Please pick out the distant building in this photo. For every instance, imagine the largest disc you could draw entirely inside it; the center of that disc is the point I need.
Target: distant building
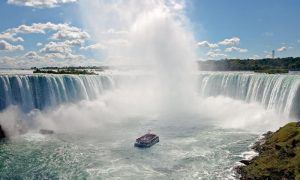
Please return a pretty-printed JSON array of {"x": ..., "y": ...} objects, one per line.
[{"x": 273, "y": 54}]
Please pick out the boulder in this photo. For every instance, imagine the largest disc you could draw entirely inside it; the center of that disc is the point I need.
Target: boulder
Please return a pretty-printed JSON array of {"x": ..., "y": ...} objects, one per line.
[
  {"x": 2, "y": 133},
  {"x": 267, "y": 134},
  {"x": 246, "y": 162}
]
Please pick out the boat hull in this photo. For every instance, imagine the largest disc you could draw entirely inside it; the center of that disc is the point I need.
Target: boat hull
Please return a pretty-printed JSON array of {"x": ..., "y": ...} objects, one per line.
[{"x": 146, "y": 145}]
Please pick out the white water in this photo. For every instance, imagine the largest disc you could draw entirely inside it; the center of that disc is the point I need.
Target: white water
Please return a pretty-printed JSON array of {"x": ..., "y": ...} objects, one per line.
[
  {"x": 151, "y": 36},
  {"x": 44, "y": 91},
  {"x": 274, "y": 92},
  {"x": 228, "y": 99},
  {"x": 95, "y": 129}
]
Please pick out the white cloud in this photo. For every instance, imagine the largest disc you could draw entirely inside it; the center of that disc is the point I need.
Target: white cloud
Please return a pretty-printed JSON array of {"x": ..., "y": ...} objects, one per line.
[
  {"x": 34, "y": 28},
  {"x": 60, "y": 50},
  {"x": 7, "y": 62},
  {"x": 282, "y": 49},
  {"x": 177, "y": 5},
  {"x": 63, "y": 31},
  {"x": 112, "y": 31},
  {"x": 65, "y": 38},
  {"x": 132, "y": 15},
  {"x": 56, "y": 47},
  {"x": 10, "y": 37},
  {"x": 31, "y": 55},
  {"x": 230, "y": 42},
  {"x": 5, "y": 46},
  {"x": 215, "y": 54},
  {"x": 64, "y": 56},
  {"x": 33, "y": 59},
  {"x": 112, "y": 43},
  {"x": 268, "y": 56},
  {"x": 74, "y": 42},
  {"x": 231, "y": 49},
  {"x": 255, "y": 56},
  {"x": 207, "y": 44},
  {"x": 70, "y": 33},
  {"x": 118, "y": 42},
  {"x": 217, "y": 50},
  {"x": 40, "y": 3},
  {"x": 97, "y": 46},
  {"x": 60, "y": 56}
]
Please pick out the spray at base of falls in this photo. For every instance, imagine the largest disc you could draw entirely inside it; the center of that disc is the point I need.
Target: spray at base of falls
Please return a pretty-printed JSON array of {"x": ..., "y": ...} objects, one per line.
[
  {"x": 153, "y": 36},
  {"x": 43, "y": 91},
  {"x": 273, "y": 92},
  {"x": 111, "y": 99}
]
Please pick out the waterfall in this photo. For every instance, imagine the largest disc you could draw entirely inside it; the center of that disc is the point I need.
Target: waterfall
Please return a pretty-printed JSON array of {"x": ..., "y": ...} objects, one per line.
[
  {"x": 279, "y": 92},
  {"x": 42, "y": 91}
]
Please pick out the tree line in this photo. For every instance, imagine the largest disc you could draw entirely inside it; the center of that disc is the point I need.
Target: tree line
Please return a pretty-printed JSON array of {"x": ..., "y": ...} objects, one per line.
[{"x": 288, "y": 63}]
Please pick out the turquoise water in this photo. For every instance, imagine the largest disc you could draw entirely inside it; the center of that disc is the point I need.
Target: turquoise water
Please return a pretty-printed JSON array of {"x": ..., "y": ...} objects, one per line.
[
  {"x": 96, "y": 120},
  {"x": 189, "y": 150}
]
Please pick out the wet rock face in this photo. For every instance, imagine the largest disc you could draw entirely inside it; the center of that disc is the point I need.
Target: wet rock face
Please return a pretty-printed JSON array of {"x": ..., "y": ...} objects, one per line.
[
  {"x": 246, "y": 162},
  {"x": 2, "y": 133}
]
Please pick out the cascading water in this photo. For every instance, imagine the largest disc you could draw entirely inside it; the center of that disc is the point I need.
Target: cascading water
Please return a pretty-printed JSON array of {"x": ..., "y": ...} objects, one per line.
[
  {"x": 201, "y": 139},
  {"x": 278, "y": 92},
  {"x": 43, "y": 91}
]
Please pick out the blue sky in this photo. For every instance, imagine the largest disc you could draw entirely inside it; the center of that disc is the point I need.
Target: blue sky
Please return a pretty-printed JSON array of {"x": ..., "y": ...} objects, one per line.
[
  {"x": 252, "y": 28},
  {"x": 261, "y": 25}
]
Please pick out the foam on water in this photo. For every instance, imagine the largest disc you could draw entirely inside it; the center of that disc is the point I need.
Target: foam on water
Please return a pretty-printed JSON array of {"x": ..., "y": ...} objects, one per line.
[
  {"x": 274, "y": 92},
  {"x": 94, "y": 138},
  {"x": 168, "y": 159}
]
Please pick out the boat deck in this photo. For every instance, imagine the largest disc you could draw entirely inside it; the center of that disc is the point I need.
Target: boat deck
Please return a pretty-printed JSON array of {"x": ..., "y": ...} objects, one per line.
[{"x": 146, "y": 140}]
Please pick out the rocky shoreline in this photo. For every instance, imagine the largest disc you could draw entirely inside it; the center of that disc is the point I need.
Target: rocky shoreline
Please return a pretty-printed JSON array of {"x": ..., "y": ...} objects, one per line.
[{"x": 279, "y": 155}]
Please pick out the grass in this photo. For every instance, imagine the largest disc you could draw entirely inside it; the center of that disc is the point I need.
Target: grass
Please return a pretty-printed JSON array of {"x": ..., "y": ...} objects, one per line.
[{"x": 279, "y": 157}]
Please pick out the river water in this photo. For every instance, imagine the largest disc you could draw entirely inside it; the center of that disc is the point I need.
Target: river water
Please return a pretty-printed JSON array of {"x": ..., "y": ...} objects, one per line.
[{"x": 96, "y": 126}]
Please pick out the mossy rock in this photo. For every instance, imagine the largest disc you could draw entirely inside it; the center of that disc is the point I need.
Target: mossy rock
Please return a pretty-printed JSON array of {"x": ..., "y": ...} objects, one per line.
[{"x": 279, "y": 156}]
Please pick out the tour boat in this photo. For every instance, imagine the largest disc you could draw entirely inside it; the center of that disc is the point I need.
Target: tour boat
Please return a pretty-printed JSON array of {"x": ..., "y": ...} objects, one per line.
[{"x": 146, "y": 140}]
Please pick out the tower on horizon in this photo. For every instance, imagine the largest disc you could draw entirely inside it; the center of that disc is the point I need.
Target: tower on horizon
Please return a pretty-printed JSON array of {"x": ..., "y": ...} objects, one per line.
[{"x": 273, "y": 54}]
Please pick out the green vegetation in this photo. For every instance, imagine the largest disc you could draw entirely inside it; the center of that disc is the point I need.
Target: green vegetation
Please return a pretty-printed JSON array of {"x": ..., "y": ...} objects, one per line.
[
  {"x": 261, "y": 65},
  {"x": 97, "y": 68},
  {"x": 273, "y": 71},
  {"x": 64, "y": 71},
  {"x": 87, "y": 70},
  {"x": 279, "y": 156}
]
